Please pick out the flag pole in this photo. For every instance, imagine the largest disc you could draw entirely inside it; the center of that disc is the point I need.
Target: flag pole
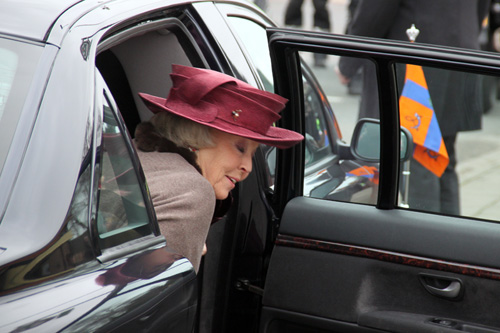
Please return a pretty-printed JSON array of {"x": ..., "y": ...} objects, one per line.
[{"x": 412, "y": 34}]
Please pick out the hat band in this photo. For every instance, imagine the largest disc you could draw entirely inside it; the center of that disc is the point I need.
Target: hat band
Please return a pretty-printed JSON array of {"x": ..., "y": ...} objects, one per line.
[{"x": 237, "y": 110}]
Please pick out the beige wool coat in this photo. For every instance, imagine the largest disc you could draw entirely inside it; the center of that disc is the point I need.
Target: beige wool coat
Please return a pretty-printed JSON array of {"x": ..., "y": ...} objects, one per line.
[{"x": 184, "y": 202}]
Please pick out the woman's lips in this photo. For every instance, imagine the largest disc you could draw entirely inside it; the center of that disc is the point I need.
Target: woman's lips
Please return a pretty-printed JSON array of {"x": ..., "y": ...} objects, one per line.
[{"x": 232, "y": 180}]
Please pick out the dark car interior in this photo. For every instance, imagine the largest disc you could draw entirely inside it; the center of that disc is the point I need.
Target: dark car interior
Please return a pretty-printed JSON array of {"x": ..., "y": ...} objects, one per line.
[{"x": 120, "y": 65}]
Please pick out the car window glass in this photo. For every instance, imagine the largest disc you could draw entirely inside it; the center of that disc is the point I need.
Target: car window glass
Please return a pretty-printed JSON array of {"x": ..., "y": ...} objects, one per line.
[
  {"x": 454, "y": 119},
  {"x": 8, "y": 70},
  {"x": 327, "y": 175},
  {"x": 254, "y": 38},
  {"x": 318, "y": 139},
  {"x": 17, "y": 66},
  {"x": 121, "y": 214}
]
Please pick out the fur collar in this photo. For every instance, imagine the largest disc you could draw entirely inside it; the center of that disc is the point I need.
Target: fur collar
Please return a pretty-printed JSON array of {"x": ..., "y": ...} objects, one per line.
[{"x": 148, "y": 139}]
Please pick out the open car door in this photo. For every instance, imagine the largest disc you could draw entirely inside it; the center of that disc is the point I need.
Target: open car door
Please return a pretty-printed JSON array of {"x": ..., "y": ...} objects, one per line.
[{"x": 399, "y": 264}]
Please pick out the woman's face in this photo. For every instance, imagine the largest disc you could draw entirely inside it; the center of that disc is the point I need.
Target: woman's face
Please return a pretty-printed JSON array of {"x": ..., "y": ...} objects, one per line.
[{"x": 228, "y": 162}]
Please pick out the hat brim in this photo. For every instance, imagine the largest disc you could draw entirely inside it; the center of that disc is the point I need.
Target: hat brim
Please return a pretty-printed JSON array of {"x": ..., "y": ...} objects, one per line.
[{"x": 275, "y": 136}]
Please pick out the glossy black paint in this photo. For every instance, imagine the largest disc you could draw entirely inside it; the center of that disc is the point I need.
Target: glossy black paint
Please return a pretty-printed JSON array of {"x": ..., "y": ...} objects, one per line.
[
  {"x": 54, "y": 275},
  {"x": 153, "y": 285}
]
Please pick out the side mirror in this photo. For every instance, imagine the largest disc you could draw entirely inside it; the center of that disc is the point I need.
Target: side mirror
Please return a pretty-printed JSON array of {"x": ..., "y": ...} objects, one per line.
[{"x": 365, "y": 143}]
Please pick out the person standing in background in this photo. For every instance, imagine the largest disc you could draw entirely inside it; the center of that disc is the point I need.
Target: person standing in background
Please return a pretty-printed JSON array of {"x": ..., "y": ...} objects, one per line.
[
  {"x": 445, "y": 22},
  {"x": 321, "y": 22}
]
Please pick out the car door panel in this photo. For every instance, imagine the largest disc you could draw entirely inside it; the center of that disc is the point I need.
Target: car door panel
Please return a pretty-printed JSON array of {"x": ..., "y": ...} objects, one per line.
[
  {"x": 347, "y": 267},
  {"x": 387, "y": 230}
]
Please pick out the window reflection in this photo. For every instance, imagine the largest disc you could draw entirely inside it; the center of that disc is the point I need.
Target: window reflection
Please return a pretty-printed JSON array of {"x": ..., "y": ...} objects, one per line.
[
  {"x": 70, "y": 248},
  {"x": 254, "y": 39},
  {"x": 18, "y": 61},
  {"x": 121, "y": 214},
  {"x": 335, "y": 108}
]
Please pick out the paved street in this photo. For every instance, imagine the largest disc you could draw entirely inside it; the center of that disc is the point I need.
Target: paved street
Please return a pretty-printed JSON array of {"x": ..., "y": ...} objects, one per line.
[{"x": 478, "y": 152}]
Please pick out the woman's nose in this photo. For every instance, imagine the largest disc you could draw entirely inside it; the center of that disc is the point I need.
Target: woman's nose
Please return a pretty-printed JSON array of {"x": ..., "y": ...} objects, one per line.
[{"x": 246, "y": 164}]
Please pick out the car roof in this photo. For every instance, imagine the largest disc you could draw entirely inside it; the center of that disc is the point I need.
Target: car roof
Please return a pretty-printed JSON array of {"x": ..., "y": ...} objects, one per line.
[
  {"x": 34, "y": 19},
  {"x": 31, "y": 19}
]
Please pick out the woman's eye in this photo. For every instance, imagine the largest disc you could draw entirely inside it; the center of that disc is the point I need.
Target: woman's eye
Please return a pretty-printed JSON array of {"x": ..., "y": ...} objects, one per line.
[{"x": 241, "y": 148}]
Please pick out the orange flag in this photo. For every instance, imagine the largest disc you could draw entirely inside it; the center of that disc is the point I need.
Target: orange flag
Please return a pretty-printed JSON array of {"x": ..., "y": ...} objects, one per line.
[{"x": 417, "y": 115}]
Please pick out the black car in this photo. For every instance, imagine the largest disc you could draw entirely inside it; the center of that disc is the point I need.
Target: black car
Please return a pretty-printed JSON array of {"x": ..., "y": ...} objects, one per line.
[{"x": 319, "y": 238}]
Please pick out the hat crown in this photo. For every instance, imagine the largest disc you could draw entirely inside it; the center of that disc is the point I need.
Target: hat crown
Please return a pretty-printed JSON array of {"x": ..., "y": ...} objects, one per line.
[
  {"x": 194, "y": 88},
  {"x": 223, "y": 102},
  {"x": 208, "y": 95}
]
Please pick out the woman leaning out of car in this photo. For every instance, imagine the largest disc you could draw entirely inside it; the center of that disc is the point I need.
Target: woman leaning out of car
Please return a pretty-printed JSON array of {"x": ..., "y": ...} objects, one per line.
[{"x": 198, "y": 145}]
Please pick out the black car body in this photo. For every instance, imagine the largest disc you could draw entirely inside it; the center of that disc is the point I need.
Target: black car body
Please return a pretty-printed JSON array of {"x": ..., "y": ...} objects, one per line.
[
  {"x": 78, "y": 227},
  {"x": 309, "y": 244}
]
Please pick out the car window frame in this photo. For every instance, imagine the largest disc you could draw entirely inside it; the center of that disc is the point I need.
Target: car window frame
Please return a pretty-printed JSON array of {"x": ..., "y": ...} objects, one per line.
[
  {"x": 153, "y": 238},
  {"x": 238, "y": 11},
  {"x": 285, "y": 44}
]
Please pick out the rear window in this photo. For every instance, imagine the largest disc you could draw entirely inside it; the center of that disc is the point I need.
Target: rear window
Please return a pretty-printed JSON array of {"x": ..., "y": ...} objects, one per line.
[{"x": 17, "y": 64}]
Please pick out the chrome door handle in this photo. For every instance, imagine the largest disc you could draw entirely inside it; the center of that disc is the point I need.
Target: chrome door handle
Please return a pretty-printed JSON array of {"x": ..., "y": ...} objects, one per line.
[
  {"x": 452, "y": 291},
  {"x": 442, "y": 286}
]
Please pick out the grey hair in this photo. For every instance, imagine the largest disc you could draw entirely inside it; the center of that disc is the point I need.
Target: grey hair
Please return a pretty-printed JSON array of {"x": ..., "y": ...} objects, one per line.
[{"x": 181, "y": 131}]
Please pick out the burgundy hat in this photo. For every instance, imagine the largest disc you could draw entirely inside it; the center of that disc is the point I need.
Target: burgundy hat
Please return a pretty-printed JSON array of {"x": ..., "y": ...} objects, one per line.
[{"x": 222, "y": 102}]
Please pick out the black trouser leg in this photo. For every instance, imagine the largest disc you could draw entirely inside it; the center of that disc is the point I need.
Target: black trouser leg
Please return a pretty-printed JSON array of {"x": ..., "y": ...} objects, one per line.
[
  {"x": 321, "y": 15},
  {"x": 450, "y": 196},
  {"x": 293, "y": 14}
]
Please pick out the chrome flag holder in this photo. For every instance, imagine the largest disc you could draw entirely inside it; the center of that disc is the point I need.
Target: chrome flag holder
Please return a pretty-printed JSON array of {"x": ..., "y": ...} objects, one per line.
[{"x": 412, "y": 34}]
